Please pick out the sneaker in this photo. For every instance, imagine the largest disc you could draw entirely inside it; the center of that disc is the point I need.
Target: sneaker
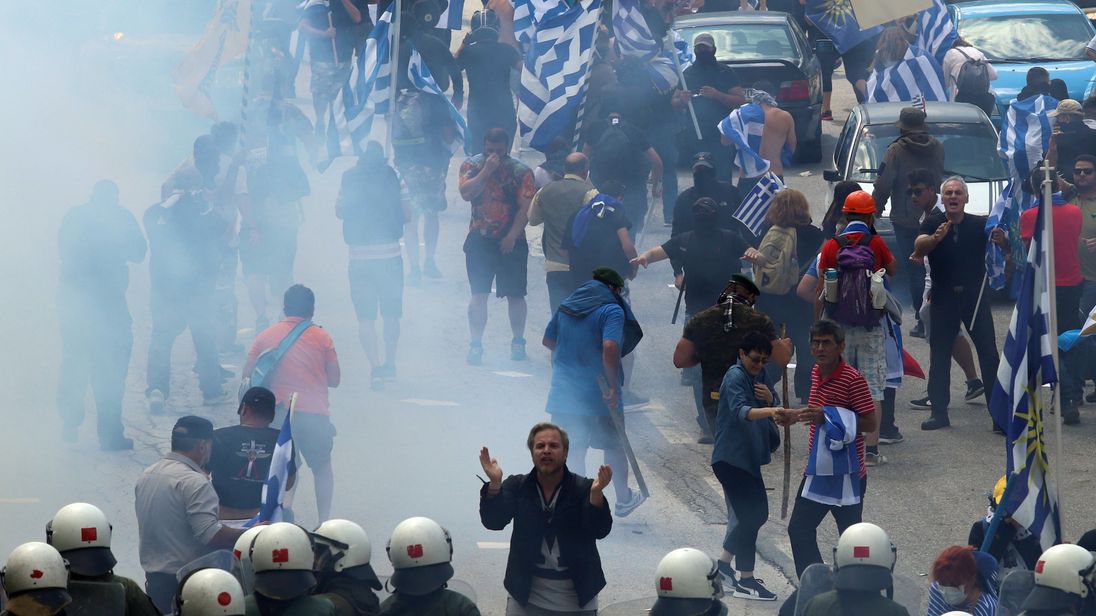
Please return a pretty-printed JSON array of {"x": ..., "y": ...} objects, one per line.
[
  {"x": 668, "y": 223},
  {"x": 753, "y": 589},
  {"x": 726, "y": 573},
  {"x": 922, "y": 403},
  {"x": 517, "y": 350},
  {"x": 626, "y": 507},
  {"x": 918, "y": 330},
  {"x": 386, "y": 371},
  {"x": 631, "y": 398},
  {"x": 996, "y": 429},
  {"x": 1070, "y": 415},
  {"x": 705, "y": 440},
  {"x": 891, "y": 438},
  {"x": 155, "y": 402},
  {"x": 975, "y": 390},
  {"x": 874, "y": 458},
  {"x": 430, "y": 269},
  {"x": 475, "y": 355},
  {"x": 119, "y": 443},
  {"x": 376, "y": 381},
  {"x": 934, "y": 423},
  {"x": 827, "y": 116}
]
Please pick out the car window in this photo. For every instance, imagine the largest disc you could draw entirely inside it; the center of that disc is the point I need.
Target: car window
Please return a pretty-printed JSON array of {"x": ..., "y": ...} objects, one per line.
[
  {"x": 747, "y": 41},
  {"x": 1029, "y": 37},
  {"x": 970, "y": 150},
  {"x": 844, "y": 143}
]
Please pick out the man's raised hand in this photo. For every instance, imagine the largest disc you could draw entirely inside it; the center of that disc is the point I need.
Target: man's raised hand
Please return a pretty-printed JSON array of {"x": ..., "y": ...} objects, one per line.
[{"x": 491, "y": 467}]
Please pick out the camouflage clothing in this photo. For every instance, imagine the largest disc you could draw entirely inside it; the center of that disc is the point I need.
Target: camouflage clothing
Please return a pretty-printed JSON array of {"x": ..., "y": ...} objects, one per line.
[{"x": 717, "y": 349}]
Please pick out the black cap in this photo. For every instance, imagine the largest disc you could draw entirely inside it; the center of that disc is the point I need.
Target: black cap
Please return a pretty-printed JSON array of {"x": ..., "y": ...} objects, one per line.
[
  {"x": 744, "y": 281},
  {"x": 705, "y": 205},
  {"x": 259, "y": 399},
  {"x": 703, "y": 160},
  {"x": 609, "y": 276},
  {"x": 193, "y": 427}
]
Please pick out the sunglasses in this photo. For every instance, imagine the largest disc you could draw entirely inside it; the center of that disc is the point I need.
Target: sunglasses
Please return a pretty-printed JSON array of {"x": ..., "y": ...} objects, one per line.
[
  {"x": 1084, "y": 171},
  {"x": 915, "y": 192}
]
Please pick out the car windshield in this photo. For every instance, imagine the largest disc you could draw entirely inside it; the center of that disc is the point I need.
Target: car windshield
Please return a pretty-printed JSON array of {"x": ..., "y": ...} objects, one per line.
[
  {"x": 1039, "y": 38},
  {"x": 970, "y": 150},
  {"x": 747, "y": 41}
]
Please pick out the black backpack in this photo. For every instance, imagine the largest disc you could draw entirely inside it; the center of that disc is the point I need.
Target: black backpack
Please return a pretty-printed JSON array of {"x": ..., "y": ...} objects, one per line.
[
  {"x": 614, "y": 154},
  {"x": 596, "y": 224},
  {"x": 973, "y": 79}
]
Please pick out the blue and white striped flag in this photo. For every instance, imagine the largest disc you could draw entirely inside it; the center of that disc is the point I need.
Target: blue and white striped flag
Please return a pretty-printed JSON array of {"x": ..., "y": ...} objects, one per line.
[
  {"x": 1026, "y": 133},
  {"x": 365, "y": 94},
  {"x": 557, "y": 65},
  {"x": 634, "y": 39},
  {"x": 452, "y": 18},
  {"x": 936, "y": 31},
  {"x": 420, "y": 77},
  {"x": 1016, "y": 399},
  {"x": 529, "y": 14},
  {"x": 744, "y": 127},
  {"x": 917, "y": 73},
  {"x": 283, "y": 465},
  {"x": 832, "y": 476},
  {"x": 751, "y": 212}
]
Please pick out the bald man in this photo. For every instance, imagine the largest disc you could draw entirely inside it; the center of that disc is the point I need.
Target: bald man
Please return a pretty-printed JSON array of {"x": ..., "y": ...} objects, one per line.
[{"x": 553, "y": 206}]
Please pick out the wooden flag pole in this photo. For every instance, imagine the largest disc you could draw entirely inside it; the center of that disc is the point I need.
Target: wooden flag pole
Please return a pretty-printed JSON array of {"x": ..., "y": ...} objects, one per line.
[{"x": 787, "y": 440}]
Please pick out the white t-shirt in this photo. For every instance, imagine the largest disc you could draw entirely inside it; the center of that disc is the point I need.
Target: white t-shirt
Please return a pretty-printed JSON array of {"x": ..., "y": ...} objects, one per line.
[
  {"x": 1091, "y": 44},
  {"x": 954, "y": 61}
]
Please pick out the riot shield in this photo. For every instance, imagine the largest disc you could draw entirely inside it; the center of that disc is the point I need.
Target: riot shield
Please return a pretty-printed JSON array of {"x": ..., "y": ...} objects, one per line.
[
  {"x": 455, "y": 585},
  {"x": 96, "y": 598},
  {"x": 245, "y": 575},
  {"x": 1016, "y": 587},
  {"x": 219, "y": 559},
  {"x": 816, "y": 580}
]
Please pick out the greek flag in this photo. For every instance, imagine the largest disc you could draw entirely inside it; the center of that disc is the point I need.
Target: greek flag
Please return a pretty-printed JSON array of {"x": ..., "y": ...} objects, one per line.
[
  {"x": 1067, "y": 340},
  {"x": 1025, "y": 135},
  {"x": 529, "y": 14},
  {"x": 283, "y": 465},
  {"x": 744, "y": 127},
  {"x": 751, "y": 212},
  {"x": 917, "y": 73},
  {"x": 553, "y": 84},
  {"x": 421, "y": 78},
  {"x": 936, "y": 31},
  {"x": 1015, "y": 402},
  {"x": 365, "y": 94},
  {"x": 833, "y": 468},
  {"x": 453, "y": 16},
  {"x": 634, "y": 39},
  {"x": 838, "y": 25}
]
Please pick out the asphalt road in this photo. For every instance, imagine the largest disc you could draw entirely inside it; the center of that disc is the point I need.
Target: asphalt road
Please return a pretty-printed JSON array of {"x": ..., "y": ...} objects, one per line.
[{"x": 412, "y": 449}]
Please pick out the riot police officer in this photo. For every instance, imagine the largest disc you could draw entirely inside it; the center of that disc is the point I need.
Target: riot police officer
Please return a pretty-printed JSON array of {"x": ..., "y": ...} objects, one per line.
[
  {"x": 281, "y": 555},
  {"x": 35, "y": 579},
  {"x": 1065, "y": 578},
  {"x": 688, "y": 584},
  {"x": 210, "y": 592},
  {"x": 343, "y": 550},
  {"x": 421, "y": 551},
  {"x": 863, "y": 562}
]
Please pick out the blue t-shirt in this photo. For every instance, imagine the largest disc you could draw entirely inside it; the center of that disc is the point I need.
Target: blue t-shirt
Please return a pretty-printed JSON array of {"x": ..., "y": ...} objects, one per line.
[{"x": 576, "y": 363}]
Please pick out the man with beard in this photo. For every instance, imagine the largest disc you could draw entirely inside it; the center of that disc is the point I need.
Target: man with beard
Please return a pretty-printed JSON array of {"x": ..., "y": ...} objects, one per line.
[
  {"x": 558, "y": 516},
  {"x": 705, "y": 184},
  {"x": 717, "y": 93}
]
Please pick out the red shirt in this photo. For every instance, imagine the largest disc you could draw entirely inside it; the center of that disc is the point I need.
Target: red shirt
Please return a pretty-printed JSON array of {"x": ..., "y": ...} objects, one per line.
[
  {"x": 828, "y": 259},
  {"x": 1067, "y": 237},
  {"x": 303, "y": 368},
  {"x": 845, "y": 388}
]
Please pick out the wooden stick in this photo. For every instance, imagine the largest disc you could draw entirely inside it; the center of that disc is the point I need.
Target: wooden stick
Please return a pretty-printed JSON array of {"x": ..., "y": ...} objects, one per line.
[{"x": 787, "y": 441}]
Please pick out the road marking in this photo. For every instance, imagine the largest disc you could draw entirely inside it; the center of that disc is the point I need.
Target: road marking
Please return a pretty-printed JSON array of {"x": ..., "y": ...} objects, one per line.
[
  {"x": 674, "y": 437},
  {"x": 422, "y": 402},
  {"x": 511, "y": 374},
  {"x": 246, "y": 331},
  {"x": 493, "y": 545},
  {"x": 19, "y": 500}
]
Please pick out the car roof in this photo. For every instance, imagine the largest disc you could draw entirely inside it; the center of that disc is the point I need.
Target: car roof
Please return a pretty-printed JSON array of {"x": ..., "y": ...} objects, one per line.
[
  {"x": 730, "y": 18},
  {"x": 990, "y": 8},
  {"x": 887, "y": 113}
]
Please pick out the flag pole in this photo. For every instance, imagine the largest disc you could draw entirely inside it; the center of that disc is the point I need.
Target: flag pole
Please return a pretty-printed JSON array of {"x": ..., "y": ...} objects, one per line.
[
  {"x": 1052, "y": 317},
  {"x": 684, "y": 86},
  {"x": 393, "y": 87}
]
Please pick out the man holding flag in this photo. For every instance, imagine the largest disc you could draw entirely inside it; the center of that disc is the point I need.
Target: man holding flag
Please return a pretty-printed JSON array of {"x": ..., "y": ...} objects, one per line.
[{"x": 330, "y": 27}]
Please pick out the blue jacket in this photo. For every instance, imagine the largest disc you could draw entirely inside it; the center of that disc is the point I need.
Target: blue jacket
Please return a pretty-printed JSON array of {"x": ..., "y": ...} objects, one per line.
[{"x": 739, "y": 442}]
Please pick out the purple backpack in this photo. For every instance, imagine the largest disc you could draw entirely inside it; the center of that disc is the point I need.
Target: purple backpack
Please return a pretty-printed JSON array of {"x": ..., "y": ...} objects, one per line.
[{"x": 855, "y": 261}]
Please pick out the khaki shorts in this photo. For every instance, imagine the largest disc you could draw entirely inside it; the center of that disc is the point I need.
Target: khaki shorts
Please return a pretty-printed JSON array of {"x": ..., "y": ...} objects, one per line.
[{"x": 865, "y": 351}]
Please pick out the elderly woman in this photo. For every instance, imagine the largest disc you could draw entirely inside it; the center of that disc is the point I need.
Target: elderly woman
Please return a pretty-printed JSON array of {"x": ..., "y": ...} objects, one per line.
[{"x": 963, "y": 580}]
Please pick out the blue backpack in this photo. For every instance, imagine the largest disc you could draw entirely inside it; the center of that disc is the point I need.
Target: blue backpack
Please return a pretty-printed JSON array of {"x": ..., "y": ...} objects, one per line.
[{"x": 268, "y": 360}]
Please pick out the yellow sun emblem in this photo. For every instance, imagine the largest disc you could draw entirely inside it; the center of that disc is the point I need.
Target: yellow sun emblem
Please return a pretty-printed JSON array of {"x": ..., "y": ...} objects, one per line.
[{"x": 837, "y": 12}]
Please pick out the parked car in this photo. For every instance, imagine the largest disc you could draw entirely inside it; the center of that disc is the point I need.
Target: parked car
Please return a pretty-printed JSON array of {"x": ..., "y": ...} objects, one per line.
[
  {"x": 1016, "y": 36},
  {"x": 970, "y": 151},
  {"x": 767, "y": 46}
]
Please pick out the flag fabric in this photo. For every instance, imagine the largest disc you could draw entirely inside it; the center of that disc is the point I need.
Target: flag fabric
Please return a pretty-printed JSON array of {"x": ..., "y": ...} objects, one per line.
[
  {"x": 634, "y": 39},
  {"x": 1003, "y": 215},
  {"x": 452, "y": 18},
  {"x": 744, "y": 127},
  {"x": 918, "y": 73},
  {"x": 1067, "y": 340},
  {"x": 420, "y": 77},
  {"x": 919, "y": 102},
  {"x": 833, "y": 468},
  {"x": 836, "y": 20},
  {"x": 283, "y": 464},
  {"x": 751, "y": 212},
  {"x": 529, "y": 14},
  {"x": 1024, "y": 138},
  {"x": 225, "y": 38},
  {"x": 936, "y": 31},
  {"x": 556, "y": 68},
  {"x": 1015, "y": 401}
]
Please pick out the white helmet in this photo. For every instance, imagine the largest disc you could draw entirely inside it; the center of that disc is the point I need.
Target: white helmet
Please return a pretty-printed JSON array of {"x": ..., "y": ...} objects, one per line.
[
  {"x": 688, "y": 583},
  {"x": 420, "y": 551},
  {"x": 343, "y": 547},
  {"x": 81, "y": 532},
  {"x": 241, "y": 551},
  {"x": 1063, "y": 576},
  {"x": 956, "y": 613},
  {"x": 863, "y": 559},
  {"x": 37, "y": 569},
  {"x": 210, "y": 592},
  {"x": 282, "y": 558}
]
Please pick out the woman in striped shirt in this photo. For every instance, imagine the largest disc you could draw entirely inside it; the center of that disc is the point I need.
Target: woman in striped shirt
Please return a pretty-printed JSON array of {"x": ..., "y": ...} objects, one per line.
[{"x": 961, "y": 581}]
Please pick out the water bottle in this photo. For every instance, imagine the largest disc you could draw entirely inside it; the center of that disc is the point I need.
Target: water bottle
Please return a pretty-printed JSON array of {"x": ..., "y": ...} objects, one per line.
[
  {"x": 878, "y": 291},
  {"x": 746, "y": 267},
  {"x": 830, "y": 285}
]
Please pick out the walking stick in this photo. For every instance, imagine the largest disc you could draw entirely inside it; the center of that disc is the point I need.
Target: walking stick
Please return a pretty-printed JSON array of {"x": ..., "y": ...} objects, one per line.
[
  {"x": 787, "y": 442},
  {"x": 677, "y": 306},
  {"x": 618, "y": 422}
]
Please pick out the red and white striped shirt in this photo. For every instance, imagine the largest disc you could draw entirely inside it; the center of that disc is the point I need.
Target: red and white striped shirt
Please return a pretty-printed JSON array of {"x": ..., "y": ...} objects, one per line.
[{"x": 845, "y": 388}]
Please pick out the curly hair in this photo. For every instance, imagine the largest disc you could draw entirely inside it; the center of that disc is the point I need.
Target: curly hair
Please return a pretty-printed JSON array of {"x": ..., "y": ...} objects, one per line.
[
  {"x": 955, "y": 566},
  {"x": 789, "y": 209}
]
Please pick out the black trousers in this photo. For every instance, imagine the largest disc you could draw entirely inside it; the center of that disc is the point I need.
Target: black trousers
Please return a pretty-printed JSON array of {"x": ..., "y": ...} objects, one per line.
[
  {"x": 1071, "y": 363},
  {"x": 807, "y": 515},
  {"x": 94, "y": 353},
  {"x": 747, "y": 496},
  {"x": 948, "y": 310}
]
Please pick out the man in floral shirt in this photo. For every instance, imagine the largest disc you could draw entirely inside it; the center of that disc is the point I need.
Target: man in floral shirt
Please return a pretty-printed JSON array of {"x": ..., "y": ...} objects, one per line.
[{"x": 500, "y": 190}]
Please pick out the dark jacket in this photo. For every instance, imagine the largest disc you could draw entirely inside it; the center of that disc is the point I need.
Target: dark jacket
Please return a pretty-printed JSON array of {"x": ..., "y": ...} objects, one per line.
[
  {"x": 441, "y": 602},
  {"x": 913, "y": 150},
  {"x": 351, "y": 597},
  {"x": 576, "y": 523}
]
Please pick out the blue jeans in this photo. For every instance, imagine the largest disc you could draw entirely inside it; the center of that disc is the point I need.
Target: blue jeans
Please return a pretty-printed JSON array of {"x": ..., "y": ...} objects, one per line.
[{"x": 663, "y": 138}]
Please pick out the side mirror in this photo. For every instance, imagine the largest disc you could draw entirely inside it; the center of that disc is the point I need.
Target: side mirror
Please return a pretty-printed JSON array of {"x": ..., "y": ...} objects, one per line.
[{"x": 831, "y": 175}]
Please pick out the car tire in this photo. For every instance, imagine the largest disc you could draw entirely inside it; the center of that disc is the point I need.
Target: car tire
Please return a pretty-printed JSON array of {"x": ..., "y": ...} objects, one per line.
[{"x": 811, "y": 151}]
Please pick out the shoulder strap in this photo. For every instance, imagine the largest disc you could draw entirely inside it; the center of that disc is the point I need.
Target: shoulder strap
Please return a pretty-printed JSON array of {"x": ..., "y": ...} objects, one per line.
[
  {"x": 960, "y": 50},
  {"x": 290, "y": 338}
]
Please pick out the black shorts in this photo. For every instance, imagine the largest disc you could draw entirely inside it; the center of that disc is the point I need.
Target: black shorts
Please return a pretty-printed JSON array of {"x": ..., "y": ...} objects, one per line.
[
  {"x": 486, "y": 263},
  {"x": 589, "y": 431},
  {"x": 376, "y": 283},
  {"x": 314, "y": 437},
  {"x": 858, "y": 61}
]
